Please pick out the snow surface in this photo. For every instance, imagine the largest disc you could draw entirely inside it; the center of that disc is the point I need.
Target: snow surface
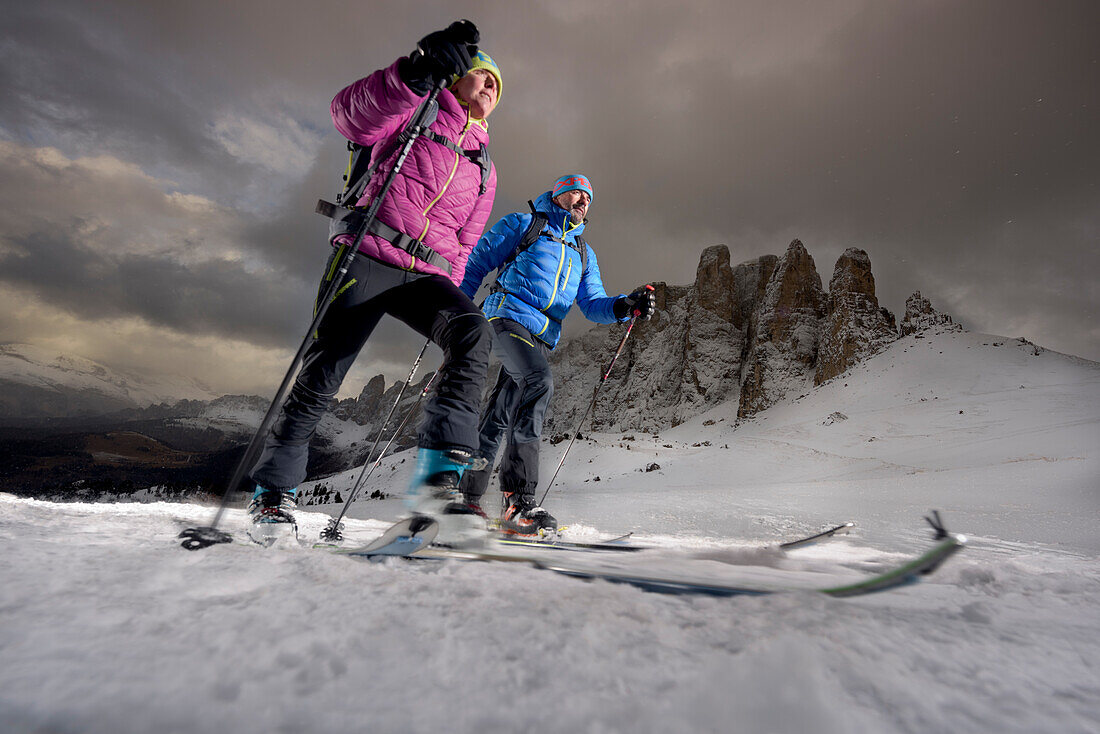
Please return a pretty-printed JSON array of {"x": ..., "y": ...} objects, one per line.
[{"x": 106, "y": 625}]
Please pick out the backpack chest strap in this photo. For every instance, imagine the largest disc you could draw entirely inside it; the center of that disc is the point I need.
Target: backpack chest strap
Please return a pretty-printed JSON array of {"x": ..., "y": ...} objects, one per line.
[
  {"x": 413, "y": 246},
  {"x": 479, "y": 158},
  {"x": 349, "y": 221}
]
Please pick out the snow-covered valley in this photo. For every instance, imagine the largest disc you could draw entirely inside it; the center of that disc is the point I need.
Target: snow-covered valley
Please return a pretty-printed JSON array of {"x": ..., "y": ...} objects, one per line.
[{"x": 108, "y": 626}]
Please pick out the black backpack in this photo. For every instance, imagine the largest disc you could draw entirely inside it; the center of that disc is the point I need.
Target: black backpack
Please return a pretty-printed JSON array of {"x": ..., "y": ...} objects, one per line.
[{"x": 536, "y": 230}]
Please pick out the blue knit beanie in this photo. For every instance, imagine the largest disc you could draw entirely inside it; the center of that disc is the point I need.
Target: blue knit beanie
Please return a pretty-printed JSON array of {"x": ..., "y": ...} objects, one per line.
[{"x": 570, "y": 182}]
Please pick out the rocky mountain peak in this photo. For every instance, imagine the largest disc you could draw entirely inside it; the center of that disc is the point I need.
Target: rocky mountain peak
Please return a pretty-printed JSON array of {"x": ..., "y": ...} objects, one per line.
[
  {"x": 919, "y": 315},
  {"x": 784, "y": 348},
  {"x": 364, "y": 409},
  {"x": 714, "y": 282},
  {"x": 852, "y": 275},
  {"x": 795, "y": 286},
  {"x": 855, "y": 327}
]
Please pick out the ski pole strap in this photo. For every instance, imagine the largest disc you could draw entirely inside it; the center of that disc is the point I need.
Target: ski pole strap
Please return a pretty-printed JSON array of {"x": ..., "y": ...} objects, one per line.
[{"x": 347, "y": 221}]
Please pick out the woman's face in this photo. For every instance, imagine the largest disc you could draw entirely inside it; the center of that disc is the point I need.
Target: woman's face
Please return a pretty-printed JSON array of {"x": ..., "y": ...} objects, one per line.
[{"x": 479, "y": 90}]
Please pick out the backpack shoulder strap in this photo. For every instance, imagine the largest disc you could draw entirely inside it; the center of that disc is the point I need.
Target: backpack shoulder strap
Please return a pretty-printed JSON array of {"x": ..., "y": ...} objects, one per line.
[
  {"x": 584, "y": 251},
  {"x": 356, "y": 175},
  {"x": 530, "y": 236},
  {"x": 538, "y": 223}
]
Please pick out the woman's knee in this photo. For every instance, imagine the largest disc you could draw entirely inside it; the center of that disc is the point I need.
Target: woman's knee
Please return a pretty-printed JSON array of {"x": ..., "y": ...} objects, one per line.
[{"x": 469, "y": 338}]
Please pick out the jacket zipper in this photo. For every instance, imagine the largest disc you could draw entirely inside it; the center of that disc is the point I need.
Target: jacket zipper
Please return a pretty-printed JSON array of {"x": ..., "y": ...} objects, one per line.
[
  {"x": 561, "y": 261},
  {"x": 447, "y": 183}
]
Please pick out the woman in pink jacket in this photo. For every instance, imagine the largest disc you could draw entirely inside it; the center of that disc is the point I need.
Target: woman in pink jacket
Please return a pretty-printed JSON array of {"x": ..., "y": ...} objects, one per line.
[{"x": 409, "y": 265}]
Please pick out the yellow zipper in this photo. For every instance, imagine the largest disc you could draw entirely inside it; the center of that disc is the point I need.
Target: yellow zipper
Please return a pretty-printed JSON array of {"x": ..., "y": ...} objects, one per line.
[
  {"x": 343, "y": 288},
  {"x": 447, "y": 183},
  {"x": 557, "y": 276},
  {"x": 335, "y": 262},
  {"x": 561, "y": 261},
  {"x": 517, "y": 336}
]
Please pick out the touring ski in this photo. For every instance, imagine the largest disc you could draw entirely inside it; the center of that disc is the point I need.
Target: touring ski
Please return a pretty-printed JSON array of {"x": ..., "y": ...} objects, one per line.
[
  {"x": 618, "y": 544},
  {"x": 678, "y": 577},
  {"x": 403, "y": 538},
  {"x": 832, "y": 532}
]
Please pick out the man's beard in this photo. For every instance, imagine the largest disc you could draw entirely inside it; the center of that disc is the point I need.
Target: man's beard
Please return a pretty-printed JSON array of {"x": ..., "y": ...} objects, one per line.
[{"x": 576, "y": 216}]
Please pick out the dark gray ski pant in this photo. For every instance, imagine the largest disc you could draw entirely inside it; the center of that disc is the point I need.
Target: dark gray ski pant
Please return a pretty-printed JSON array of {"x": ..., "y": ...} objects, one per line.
[
  {"x": 517, "y": 407},
  {"x": 433, "y": 306}
]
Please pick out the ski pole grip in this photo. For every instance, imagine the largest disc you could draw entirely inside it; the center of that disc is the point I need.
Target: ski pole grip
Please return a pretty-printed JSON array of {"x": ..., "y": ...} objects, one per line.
[{"x": 638, "y": 311}]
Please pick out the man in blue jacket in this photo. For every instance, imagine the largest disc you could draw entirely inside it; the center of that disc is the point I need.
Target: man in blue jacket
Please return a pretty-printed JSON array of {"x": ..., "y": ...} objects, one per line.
[{"x": 544, "y": 266}]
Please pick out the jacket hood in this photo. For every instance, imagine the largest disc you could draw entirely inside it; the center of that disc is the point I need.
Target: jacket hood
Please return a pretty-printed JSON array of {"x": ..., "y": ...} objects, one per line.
[{"x": 556, "y": 215}]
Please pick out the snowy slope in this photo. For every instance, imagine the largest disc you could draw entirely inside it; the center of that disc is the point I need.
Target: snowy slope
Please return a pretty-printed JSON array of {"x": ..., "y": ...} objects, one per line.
[
  {"x": 999, "y": 434},
  {"x": 107, "y": 626}
]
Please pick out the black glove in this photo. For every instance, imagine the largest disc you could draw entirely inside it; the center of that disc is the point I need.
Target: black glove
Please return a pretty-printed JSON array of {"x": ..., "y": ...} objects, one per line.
[
  {"x": 641, "y": 303},
  {"x": 440, "y": 56}
]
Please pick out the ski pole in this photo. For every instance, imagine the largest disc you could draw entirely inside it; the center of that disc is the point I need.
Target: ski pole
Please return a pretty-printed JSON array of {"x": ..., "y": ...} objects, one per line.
[
  {"x": 332, "y": 530},
  {"x": 595, "y": 394},
  {"x": 202, "y": 537}
]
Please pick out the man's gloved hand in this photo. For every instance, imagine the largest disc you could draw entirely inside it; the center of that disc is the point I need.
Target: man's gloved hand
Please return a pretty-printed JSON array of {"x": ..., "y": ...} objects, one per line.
[
  {"x": 440, "y": 56},
  {"x": 641, "y": 302}
]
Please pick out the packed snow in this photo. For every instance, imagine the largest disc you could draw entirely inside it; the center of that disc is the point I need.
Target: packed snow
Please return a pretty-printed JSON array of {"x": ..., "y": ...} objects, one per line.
[{"x": 109, "y": 626}]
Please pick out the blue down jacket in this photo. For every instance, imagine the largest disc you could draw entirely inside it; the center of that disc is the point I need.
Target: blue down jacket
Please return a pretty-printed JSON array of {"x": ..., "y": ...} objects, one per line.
[{"x": 538, "y": 288}]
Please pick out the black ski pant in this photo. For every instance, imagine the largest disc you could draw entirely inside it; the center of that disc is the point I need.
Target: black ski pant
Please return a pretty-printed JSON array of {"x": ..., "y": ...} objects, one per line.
[
  {"x": 433, "y": 306},
  {"x": 516, "y": 408}
]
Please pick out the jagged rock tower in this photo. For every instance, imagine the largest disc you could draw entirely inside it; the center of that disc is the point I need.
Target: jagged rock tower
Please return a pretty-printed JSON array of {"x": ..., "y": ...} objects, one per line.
[
  {"x": 784, "y": 348},
  {"x": 749, "y": 335},
  {"x": 919, "y": 315},
  {"x": 855, "y": 326}
]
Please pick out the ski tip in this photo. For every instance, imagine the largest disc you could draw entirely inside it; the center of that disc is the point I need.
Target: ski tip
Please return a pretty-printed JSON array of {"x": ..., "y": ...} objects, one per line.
[
  {"x": 403, "y": 538},
  {"x": 938, "y": 526}
]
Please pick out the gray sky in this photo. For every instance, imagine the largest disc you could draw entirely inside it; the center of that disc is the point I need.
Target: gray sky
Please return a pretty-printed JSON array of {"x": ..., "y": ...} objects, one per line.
[{"x": 159, "y": 161}]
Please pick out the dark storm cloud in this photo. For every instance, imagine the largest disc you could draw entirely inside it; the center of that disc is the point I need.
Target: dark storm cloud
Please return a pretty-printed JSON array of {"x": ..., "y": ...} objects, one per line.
[
  {"x": 72, "y": 80},
  {"x": 956, "y": 142},
  {"x": 214, "y": 297}
]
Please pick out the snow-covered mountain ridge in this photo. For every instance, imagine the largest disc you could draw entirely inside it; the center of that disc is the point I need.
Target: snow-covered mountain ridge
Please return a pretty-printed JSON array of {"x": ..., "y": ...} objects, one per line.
[{"x": 38, "y": 382}]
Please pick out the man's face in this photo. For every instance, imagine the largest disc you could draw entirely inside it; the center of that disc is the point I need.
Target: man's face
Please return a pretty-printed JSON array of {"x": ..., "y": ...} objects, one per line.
[
  {"x": 575, "y": 202},
  {"x": 479, "y": 90}
]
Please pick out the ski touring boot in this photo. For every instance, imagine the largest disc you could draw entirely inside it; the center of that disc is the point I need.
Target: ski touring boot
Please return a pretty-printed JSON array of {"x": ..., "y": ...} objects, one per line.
[
  {"x": 523, "y": 516},
  {"x": 271, "y": 512},
  {"x": 434, "y": 493},
  {"x": 474, "y": 506}
]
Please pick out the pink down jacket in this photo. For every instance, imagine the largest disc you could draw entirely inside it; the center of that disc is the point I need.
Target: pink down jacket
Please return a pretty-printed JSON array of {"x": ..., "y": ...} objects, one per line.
[{"x": 435, "y": 196}]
